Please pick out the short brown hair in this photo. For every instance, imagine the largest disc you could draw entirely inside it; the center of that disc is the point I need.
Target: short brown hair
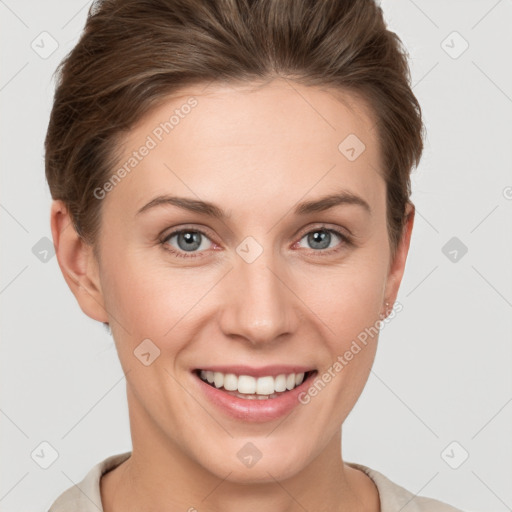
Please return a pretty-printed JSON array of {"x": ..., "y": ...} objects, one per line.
[{"x": 132, "y": 54}]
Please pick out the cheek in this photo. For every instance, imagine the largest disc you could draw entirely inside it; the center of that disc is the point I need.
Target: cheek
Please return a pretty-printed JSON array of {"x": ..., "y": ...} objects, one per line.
[
  {"x": 349, "y": 306},
  {"x": 347, "y": 299},
  {"x": 149, "y": 298},
  {"x": 348, "y": 303}
]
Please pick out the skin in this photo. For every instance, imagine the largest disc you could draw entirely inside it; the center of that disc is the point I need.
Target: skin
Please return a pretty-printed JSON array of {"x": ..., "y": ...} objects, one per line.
[{"x": 254, "y": 151}]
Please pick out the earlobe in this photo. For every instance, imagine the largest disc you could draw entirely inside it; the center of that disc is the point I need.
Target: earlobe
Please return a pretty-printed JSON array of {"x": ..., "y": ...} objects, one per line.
[
  {"x": 77, "y": 263},
  {"x": 397, "y": 265}
]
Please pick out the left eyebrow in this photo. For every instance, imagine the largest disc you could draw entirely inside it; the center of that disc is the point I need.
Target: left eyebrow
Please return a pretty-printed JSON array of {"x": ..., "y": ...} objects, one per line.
[
  {"x": 330, "y": 201},
  {"x": 344, "y": 197}
]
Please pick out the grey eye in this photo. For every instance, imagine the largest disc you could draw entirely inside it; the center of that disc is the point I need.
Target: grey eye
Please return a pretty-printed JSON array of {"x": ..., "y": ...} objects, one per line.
[
  {"x": 188, "y": 240},
  {"x": 320, "y": 238}
]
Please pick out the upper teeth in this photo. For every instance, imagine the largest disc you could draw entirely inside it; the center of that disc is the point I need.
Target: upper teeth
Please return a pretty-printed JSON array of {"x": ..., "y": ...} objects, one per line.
[{"x": 250, "y": 385}]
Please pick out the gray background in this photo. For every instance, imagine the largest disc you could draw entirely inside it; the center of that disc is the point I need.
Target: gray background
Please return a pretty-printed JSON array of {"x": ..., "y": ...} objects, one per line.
[{"x": 443, "y": 367}]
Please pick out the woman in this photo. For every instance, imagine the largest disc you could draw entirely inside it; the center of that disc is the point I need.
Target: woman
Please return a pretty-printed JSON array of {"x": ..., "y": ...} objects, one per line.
[{"x": 231, "y": 197}]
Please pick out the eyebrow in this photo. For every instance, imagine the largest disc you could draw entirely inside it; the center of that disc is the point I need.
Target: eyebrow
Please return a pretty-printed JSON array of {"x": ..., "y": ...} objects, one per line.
[{"x": 343, "y": 197}]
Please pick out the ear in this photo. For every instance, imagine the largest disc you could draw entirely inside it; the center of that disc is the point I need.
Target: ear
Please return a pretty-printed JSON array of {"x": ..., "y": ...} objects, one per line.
[
  {"x": 77, "y": 263},
  {"x": 397, "y": 265}
]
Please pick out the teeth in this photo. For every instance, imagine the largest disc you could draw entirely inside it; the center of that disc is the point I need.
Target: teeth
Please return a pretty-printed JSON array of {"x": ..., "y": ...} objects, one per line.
[
  {"x": 248, "y": 385},
  {"x": 230, "y": 382}
]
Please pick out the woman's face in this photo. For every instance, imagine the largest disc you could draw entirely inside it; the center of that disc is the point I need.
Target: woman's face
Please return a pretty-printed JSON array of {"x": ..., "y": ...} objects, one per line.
[{"x": 263, "y": 282}]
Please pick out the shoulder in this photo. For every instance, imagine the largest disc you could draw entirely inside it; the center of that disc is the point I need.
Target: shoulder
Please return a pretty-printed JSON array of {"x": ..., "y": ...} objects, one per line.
[
  {"x": 85, "y": 496},
  {"x": 395, "y": 498}
]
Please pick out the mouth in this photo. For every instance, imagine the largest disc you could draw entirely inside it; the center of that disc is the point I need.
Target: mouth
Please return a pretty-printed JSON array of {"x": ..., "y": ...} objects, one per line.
[{"x": 248, "y": 387}]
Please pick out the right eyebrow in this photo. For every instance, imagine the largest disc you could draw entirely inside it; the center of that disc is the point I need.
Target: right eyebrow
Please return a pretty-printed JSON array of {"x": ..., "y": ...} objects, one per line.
[{"x": 193, "y": 205}]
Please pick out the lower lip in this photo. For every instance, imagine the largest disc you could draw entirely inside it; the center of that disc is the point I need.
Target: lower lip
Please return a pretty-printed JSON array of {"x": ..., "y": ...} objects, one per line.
[{"x": 254, "y": 410}]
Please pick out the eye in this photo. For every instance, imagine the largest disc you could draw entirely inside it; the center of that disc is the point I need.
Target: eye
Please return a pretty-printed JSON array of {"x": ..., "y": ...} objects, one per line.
[
  {"x": 322, "y": 238},
  {"x": 191, "y": 243},
  {"x": 188, "y": 241}
]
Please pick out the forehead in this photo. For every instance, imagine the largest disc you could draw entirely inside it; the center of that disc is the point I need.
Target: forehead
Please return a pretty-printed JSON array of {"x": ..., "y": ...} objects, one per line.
[{"x": 273, "y": 138}]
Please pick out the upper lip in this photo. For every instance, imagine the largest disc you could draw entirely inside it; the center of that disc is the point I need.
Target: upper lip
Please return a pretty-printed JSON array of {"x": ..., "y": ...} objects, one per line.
[{"x": 262, "y": 371}]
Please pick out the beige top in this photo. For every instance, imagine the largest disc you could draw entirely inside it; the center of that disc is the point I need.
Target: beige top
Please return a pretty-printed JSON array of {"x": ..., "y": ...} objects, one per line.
[{"x": 86, "y": 497}]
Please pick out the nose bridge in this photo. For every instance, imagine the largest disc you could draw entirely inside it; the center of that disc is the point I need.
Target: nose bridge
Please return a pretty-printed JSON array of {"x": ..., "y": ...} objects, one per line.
[{"x": 258, "y": 306}]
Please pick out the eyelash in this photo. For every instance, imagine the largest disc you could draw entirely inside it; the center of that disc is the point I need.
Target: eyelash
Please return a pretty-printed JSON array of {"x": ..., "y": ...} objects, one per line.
[{"x": 345, "y": 241}]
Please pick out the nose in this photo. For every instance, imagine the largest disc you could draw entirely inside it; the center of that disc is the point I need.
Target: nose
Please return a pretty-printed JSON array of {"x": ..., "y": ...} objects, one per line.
[{"x": 258, "y": 304}]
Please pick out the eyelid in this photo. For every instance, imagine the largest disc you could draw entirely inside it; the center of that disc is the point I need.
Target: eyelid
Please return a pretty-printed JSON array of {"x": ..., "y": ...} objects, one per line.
[
  {"x": 176, "y": 230},
  {"x": 327, "y": 227}
]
